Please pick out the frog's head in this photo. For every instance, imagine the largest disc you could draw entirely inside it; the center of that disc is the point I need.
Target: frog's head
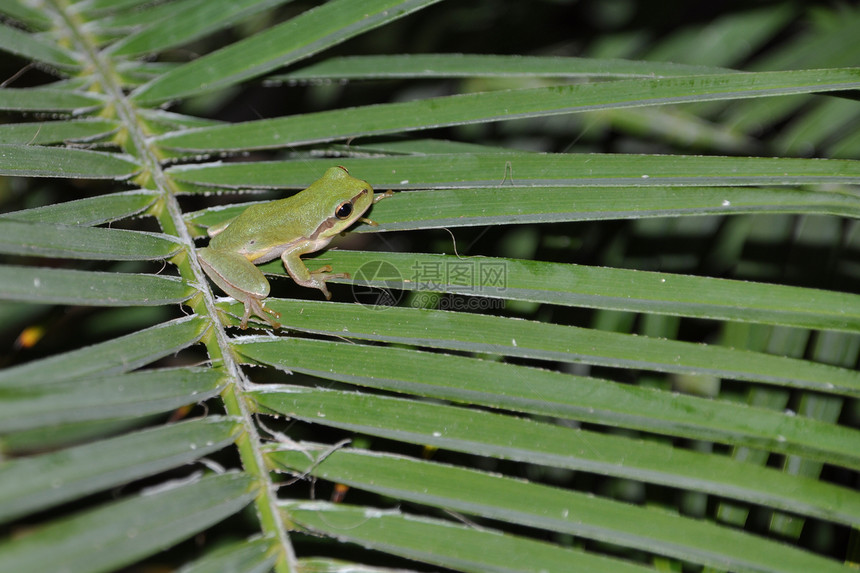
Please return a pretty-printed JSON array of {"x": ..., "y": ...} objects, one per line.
[{"x": 346, "y": 200}]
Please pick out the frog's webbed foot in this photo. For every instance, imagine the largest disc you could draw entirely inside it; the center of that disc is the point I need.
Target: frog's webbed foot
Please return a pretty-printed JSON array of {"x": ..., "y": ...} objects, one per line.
[
  {"x": 255, "y": 306},
  {"x": 318, "y": 278}
]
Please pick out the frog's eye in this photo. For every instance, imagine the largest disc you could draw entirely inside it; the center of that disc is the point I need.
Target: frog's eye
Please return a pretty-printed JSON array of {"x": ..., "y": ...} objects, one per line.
[{"x": 344, "y": 210}]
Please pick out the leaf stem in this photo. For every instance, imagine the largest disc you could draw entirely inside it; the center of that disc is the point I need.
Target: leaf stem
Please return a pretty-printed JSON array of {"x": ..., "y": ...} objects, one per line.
[{"x": 137, "y": 142}]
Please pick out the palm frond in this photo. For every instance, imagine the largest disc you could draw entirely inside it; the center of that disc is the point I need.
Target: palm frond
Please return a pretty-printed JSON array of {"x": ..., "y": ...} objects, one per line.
[{"x": 633, "y": 346}]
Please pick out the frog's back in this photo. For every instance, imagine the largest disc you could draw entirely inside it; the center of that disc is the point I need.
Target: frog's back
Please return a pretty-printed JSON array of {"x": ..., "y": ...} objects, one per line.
[{"x": 294, "y": 217}]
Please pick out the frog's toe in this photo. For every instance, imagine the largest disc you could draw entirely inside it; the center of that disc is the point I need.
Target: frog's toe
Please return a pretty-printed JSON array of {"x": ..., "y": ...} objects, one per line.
[{"x": 255, "y": 306}]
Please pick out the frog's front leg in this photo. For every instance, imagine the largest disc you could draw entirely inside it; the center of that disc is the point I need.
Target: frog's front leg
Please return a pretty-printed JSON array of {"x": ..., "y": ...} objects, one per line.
[
  {"x": 305, "y": 277},
  {"x": 239, "y": 278}
]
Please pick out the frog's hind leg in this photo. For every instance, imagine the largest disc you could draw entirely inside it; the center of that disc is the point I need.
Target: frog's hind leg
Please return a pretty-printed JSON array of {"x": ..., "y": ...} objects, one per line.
[{"x": 239, "y": 278}]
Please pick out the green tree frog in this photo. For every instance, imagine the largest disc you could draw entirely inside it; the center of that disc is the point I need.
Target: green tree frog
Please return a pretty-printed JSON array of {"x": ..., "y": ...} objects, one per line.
[{"x": 286, "y": 228}]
